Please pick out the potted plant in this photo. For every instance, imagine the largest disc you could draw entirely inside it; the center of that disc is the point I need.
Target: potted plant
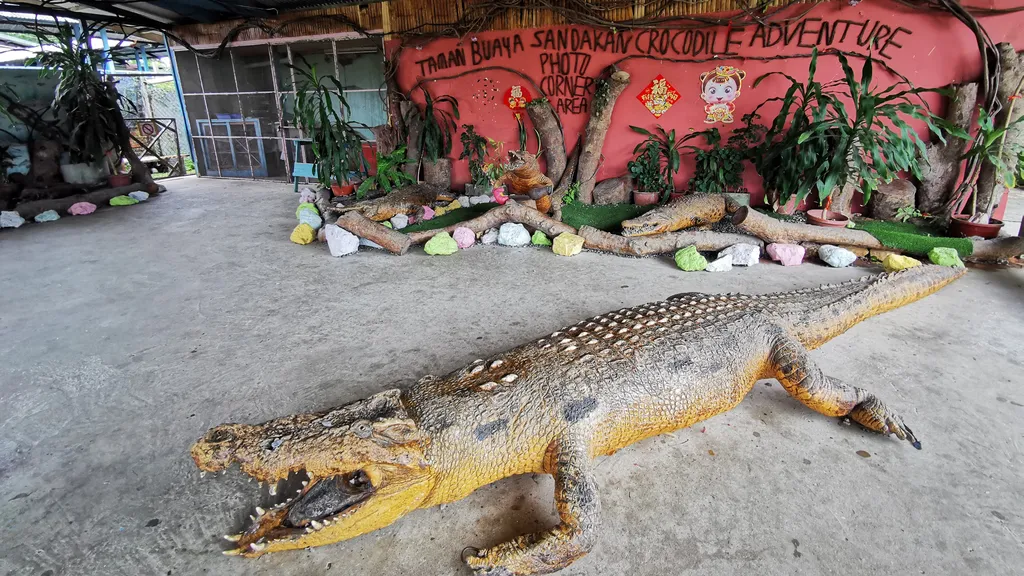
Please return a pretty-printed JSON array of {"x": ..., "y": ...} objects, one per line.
[
  {"x": 389, "y": 175},
  {"x": 481, "y": 153},
  {"x": 320, "y": 111},
  {"x": 434, "y": 140},
  {"x": 990, "y": 146},
  {"x": 119, "y": 177},
  {"x": 719, "y": 169},
  {"x": 667, "y": 147},
  {"x": 645, "y": 170},
  {"x": 815, "y": 143}
]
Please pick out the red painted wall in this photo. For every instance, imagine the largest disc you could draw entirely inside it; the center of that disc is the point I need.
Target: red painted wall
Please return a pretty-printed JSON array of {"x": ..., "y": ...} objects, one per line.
[{"x": 931, "y": 49}]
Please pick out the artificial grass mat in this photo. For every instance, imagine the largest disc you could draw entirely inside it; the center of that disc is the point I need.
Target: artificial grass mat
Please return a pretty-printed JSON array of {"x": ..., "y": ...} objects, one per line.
[
  {"x": 607, "y": 217},
  {"x": 908, "y": 237},
  {"x": 449, "y": 218}
]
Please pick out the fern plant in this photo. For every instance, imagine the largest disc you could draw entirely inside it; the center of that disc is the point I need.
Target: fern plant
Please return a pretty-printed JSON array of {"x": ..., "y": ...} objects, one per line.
[
  {"x": 718, "y": 169},
  {"x": 474, "y": 149},
  {"x": 389, "y": 174},
  {"x": 439, "y": 125}
]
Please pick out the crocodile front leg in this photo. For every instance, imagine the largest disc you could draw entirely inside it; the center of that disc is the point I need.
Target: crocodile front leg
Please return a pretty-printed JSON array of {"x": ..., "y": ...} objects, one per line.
[
  {"x": 579, "y": 510},
  {"x": 830, "y": 396}
]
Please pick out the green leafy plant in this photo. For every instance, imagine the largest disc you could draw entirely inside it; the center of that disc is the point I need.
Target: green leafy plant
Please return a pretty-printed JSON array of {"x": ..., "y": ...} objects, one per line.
[
  {"x": 320, "y": 111},
  {"x": 570, "y": 195},
  {"x": 88, "y": 106},
  {"x": 991, "y": 146},
  {"x": 646, "y": 171},
  {"x": 389, "y": 175},
  {"x": 439, "y": 125},
  {"x": 718, "y": 169},
  {"x": 815, "y": 143},
  {"x": 907, "y": 212},
  {"x": 668, "y": 148},
  {"x": 478, "y": 150}
]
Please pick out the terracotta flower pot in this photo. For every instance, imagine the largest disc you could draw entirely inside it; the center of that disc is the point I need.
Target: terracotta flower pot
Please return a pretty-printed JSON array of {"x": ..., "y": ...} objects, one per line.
[
  {"x": 118, "y": 180},
  {"x": 820, "y": 217},
  {"x": 961, "y": 225},
  {"x": 343, "y": 189},
  {"x": 645, "y": 198}
]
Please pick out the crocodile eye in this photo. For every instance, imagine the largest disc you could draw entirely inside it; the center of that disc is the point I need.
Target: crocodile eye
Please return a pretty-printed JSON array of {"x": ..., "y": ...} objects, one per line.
[{"x": 362, "y": 429}]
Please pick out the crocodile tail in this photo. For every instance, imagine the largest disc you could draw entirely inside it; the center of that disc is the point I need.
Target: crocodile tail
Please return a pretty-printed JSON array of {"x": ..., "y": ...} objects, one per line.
[{"x": 816, "y": 316}]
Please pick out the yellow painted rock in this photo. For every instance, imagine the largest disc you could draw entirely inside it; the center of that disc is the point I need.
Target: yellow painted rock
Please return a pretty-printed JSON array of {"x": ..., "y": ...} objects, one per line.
[
  {"x": 895, "y": 262},
  {"x": 303, "y": 234},
  {"x": 455, "y": 204},
  {"x": 567, "y": 244}
]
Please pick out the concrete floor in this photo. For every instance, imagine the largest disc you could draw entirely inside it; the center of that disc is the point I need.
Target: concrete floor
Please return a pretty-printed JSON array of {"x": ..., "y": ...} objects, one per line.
[{"x": 126, "y": 334}]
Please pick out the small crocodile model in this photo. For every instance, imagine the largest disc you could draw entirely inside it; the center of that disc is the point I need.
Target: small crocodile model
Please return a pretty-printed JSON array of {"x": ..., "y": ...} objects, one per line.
[
  {"x": 688, "y": 211},
  {"x": 551, "y": 406},
  {"x": 405, "y": 200}
]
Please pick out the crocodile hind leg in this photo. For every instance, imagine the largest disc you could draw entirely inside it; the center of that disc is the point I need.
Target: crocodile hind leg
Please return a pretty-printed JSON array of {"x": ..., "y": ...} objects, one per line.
[
  {"x": 830, "y": 396},
  {"x": 579, "y": 510}
]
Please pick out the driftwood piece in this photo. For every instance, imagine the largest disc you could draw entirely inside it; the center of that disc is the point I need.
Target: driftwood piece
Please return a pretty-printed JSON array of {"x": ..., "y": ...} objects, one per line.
[
  {"x": 565, "y": 182},
  {"x": 1011, "y": 68},
  {"x": 772, "y": 230},
  {"x": 593, "y": 140},
  {"x": 511, "y": 212},
  {"x": 390, "y": 240},
  {"x": 29, "y": 210},
  {"x": 552, "y": 140},
  {"x": 997, "y": 249},
  {"x": 686, "y": 212},
  {"x": 323, "y": 203},
  {"x": 940, "y": 169},
  {"x": 595, "y": 239}
]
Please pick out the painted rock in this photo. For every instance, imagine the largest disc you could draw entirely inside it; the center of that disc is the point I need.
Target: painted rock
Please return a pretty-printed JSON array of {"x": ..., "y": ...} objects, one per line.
[
  {"x": 690, "y": 260},
  {"x": 896, "y": 262},
  {"x": 303, "y": 234},
  {"x": 307, "y": 195},
  {"x": 48, "y": 216},
  {"x": 311, "y": 217},
  {"x": 835, "y": 256},
  {"x": 10, "y": 219},
  {"x": 387, "y": 224},
  {"x": 786, "y": 254},
  {"x": 305, "y": 206},
  {"x": 540, "y": 239},
  {"x": 399, "y": 221},
  {"x": 490, "y": 236},
  {"x": 742, "y": 254},
  {"x": 340, "y": 242},
  {"x": 499, "y": 195},
  {"x": 463, "y": 201},
  {"x": 945, "y": 257},
  {"x": 370, "y": 243},
  {"x": 428, "y": 213},
  {"x": 464, "y": 237},
  {"x": 82, "y": 208},
  {"x": 567, "y": 244},
  {"x": 479, "y": 200},
  {"x": 123, "y": 201},
  {"x": 512, "y": 234},
  {"x": 723, "y": 264},
  {"x": 140, "y": 196},
  {"x": 455, "y": 205},
  {"x": 441, "y": 244}
]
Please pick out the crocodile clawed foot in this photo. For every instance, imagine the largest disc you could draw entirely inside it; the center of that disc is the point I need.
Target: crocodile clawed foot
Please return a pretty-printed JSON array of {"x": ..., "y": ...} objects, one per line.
[
  {"x": 875, "y": 415},
  {"x": 481, "y": 565}
]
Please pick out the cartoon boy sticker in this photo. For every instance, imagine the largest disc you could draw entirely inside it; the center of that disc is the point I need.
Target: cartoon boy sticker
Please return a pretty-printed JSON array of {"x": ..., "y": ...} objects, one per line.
[{"x": 719, "y": 88}]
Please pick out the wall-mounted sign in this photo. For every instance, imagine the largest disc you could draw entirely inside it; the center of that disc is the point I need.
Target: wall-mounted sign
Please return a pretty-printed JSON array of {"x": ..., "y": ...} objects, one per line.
[
  {"x": 658, "y": 96},
  {"x": 516, "y": 98},
  {"x": 720, "y": 88}
]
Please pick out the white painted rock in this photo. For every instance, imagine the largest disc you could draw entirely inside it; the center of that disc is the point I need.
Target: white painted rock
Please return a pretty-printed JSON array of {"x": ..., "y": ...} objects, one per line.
[
  {"x": 786, "y": 254},
  {"x": 490, "y": 236},
  {"x": 399, "y": 221},
  {"x": 742, "y": 254},
  {"x": 370, "y": 244},
  {"x": 512, "y": 234},
  {"x": 14, "y": 220},
  {"x": 307, "y": 195},
  {"x": 835, "y": 256},
  {"x": 308, "y": 216},
  {"x": 723, "y": 264},
  {"x": 463, "y": 201},
  {"x": 139, "y": 195},
  {"x": 341, "y": 242},
  {"x": 479, "y": 200}
]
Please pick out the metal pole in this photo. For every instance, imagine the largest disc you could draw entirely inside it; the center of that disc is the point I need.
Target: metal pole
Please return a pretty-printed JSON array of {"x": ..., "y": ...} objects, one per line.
[
  {"x": 241, "y": 112},
  {"x": 181, "y": 102},
  {"x": 209, "y": 121},
  {"x": 280, "y": 114}
]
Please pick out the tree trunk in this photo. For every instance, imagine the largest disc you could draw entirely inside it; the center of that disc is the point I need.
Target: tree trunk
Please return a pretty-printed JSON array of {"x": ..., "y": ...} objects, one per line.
[
  {"x": 388, "y": 239},
  {"x": 414, "y": 127},
  {"x": 510, "y": 212},
  {"x": 140, "y": 172},
  {"x": 772, "y": 230},
  {"x": 940, "y": 170},
  {"x": 438, "y": 173},
  {"x": 595, "y": 239},
  {"x": 29, "y": 210},
  {"x": 551, "y": 138},
  {"x": 597, "y": 129},
  {"x": 997, "y": 249},
  {"x": 565, "y": 182},
  {"x": 1011, "y": 71}
]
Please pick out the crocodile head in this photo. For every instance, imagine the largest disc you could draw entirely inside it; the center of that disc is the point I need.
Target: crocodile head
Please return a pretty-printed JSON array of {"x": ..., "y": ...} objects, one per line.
[
  {"x": 361, "y": 467},
  {"x": 653, "y": 222}
]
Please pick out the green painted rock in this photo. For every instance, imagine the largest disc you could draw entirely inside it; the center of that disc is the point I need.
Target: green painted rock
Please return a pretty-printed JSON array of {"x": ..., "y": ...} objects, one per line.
[
  {"x": 123, "y": 201},
  {"x": 690, "y": 260},
  {"x": 539, "y": 239},
  {"x": 306, "y": 206},
  {"x": 441, "y": 245},
  {"x": 945, "y": 257},
  {"x": 896, "y": 262},
  {"x": 567, "y": 244},
  {"x": 387, "y": 224}
]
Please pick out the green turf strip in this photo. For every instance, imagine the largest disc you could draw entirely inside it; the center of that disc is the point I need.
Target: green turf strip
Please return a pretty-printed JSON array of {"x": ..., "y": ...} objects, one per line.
[
  {"x": 607, "y": 217},
  {"x": 907, "y": 237},
  {"x": 449, "y": 218}
]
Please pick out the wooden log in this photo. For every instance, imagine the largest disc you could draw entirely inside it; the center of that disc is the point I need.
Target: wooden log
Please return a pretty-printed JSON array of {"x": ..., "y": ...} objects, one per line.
[
  {"x": 323, "y": 203},
  {"x": 687, "y": 212},
  {"x": 997, "y": 249},
  {"x": 510, "y": 212},
  {"x": 414, "y": 127},
  {"x": 940, "y": 168},
  {"x": 565, "y": 182},
  {"x": 29, "y": 210},
  {"x": 390, "y": 240},
  {"x": 1011, "y": 69},
  {"x": 594, "y": 239},
  {"x": 597, "y": 129},
  {"x": 771, "y": 230},
  {"x": 551, "y": 138}
]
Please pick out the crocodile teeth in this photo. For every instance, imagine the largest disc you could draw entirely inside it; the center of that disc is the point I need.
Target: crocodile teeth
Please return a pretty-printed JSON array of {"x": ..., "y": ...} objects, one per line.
[
  {"x": 202, "y": 474},
  {"x": 317, "y": 525},
  {"x": 251, "y": 517},
  {"x": 273, "y": 489},
  {"x": 509, "y": 378},
  {"x": 232, "y": 537},
  {"x": 304, "y": 483},
  {"x": 260, "y": 511},
  {"x": 257, "y": 547},
  {"x": 232, "y": 552}
]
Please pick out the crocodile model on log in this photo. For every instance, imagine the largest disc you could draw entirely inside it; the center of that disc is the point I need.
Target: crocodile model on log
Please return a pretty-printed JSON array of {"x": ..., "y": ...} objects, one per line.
[{"x": 551, "y": 406}]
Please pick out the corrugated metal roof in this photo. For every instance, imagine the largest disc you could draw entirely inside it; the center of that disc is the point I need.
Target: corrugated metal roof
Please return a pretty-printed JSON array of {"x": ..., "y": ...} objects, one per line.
[{"x": 175, "y": 12}]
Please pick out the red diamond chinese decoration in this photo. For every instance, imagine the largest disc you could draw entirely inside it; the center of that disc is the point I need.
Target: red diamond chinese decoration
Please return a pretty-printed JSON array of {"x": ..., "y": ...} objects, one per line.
[{"x": 658, "y": 96}]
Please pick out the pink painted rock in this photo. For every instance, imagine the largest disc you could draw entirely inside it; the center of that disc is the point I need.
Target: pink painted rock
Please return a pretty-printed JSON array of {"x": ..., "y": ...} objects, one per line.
[
  {"x": 82, "y": 208},
  {"x": 786, "y": 254},
  {"x": 499, "y": 195},
  {"x": 464, "y": 237},
  {"x": 428, "y": 213}
]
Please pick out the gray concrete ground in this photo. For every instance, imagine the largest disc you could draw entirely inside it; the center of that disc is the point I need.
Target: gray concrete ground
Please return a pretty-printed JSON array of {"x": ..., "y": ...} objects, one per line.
[{"x": 126, "y": 334}]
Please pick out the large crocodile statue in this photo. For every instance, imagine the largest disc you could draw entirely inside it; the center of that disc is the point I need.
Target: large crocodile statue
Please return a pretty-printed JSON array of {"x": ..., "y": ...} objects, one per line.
[{"x": 552, "y": 406}]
